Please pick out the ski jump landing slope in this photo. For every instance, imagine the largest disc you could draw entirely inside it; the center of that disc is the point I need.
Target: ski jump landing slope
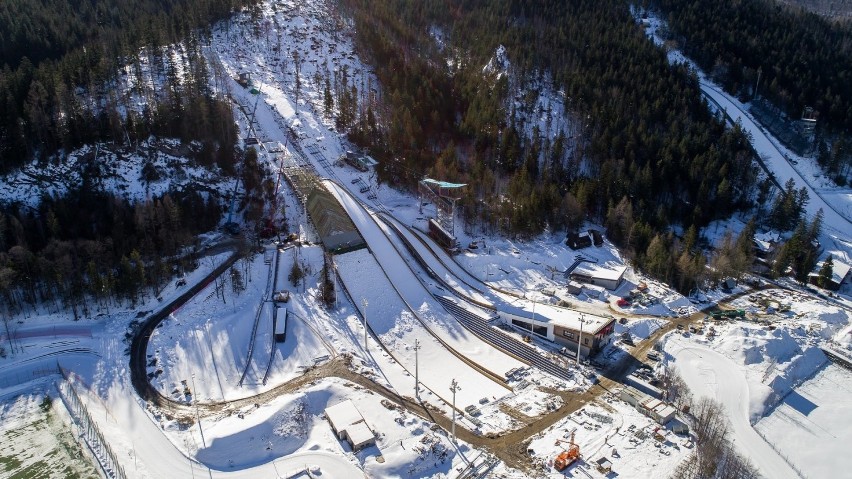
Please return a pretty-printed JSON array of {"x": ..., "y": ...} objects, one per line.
[
  {"x": 710, "y": 374},
  {"x": 393, "y": 291}
]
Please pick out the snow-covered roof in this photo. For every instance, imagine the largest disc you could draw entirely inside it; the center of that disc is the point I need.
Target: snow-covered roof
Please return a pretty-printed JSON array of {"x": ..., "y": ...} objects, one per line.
[
  {"x": 566, "y": 318},
  {"x": 839, "y": 271},
  {"x": 359, "y": 434},
  {"x": 597, "y": 270},
  {"x": 342, "y": 415},
  {"x": 443, "y": 184}
]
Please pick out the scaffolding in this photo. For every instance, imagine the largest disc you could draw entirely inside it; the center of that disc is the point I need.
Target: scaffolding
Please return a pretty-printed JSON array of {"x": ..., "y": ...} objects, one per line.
[{"x": 444, "y": 196}]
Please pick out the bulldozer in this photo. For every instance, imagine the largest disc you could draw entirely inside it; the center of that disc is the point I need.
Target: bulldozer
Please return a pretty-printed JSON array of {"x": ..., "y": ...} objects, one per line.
[{"x": 568, "y": 456}]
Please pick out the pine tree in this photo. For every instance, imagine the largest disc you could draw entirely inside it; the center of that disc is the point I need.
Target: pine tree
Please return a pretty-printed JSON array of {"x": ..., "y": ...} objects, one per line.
[{"x": 826, "y": 272}]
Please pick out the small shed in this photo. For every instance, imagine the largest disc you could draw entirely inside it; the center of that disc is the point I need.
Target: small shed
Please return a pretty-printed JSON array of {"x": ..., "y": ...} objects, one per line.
[
  {"x": 348, "y": 424},
  {"x": 360, "y": 436},
  {"x": 603, "y": 465},
  {"x": 679, "y": 426},
  {"x": 573, "y": 287},
  {"x": 839, "y": 275},
  {"x": 599, "y": 275},
  {"x": 729, "y": 284},
  {"x": 657, "y": 410}
]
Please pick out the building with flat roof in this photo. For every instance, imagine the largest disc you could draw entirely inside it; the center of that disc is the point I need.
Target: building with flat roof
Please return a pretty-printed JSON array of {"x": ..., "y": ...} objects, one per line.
[
  {"x": 655, "y": 408},
  {"x": 561, "y": 325},
  {"x": 348, "y": 424},
  {"x": 610, "y": 277}
]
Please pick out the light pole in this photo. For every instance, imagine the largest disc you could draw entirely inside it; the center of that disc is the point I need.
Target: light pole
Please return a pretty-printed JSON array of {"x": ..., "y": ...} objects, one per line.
[
  {"x": 533, "y": 311},
  {"x": 364, "y": 302},
  {"x": 197, "y": 417},
  {"x": 416, "y": 369},
  {"x": 580, "y": 338},
  {"x": 454, "y": 386}
]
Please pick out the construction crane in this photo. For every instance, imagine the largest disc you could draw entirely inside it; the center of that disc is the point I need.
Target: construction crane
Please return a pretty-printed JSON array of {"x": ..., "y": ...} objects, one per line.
[{"x": 568, "y": 456}]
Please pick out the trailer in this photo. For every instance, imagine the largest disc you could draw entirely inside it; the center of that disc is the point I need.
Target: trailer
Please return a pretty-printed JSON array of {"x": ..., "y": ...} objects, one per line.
[{"x": 280, "y": 324}]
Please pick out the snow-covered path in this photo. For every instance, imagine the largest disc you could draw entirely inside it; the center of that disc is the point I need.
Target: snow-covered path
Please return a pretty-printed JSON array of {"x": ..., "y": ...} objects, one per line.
[
  {"x": 778, "y": 164},
  {"x": 710, "y": 374}
]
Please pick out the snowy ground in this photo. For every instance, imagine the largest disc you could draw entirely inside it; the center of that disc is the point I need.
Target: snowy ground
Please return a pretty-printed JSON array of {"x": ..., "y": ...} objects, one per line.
[
  {"x": 617, "y": 431},
  {"x": 38, "y": 441},
  {"x": 818, "y": 412},
  {"x": 760, "y": 369}
]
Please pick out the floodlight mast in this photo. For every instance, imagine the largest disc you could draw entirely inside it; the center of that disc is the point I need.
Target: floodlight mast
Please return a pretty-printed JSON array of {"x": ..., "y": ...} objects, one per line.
[
  {"x": 364, "y": 302},
  {"x": 454, "y": 387}
]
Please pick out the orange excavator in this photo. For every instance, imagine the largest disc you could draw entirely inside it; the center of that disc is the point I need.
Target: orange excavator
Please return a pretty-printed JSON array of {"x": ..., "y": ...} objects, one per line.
[{"x": 568, "y": 456}]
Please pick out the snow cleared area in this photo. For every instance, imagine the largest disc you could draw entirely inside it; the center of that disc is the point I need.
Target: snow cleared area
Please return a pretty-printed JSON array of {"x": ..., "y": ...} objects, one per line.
[{"x": 40, "y": 440}]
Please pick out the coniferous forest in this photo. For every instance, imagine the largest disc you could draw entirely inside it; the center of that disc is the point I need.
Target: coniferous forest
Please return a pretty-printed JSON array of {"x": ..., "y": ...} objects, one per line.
[
  {"x": 643, "y": 155},
  {"x": 63, "y": 84},
  {"x": 61, "y": 63},
  {"x": 648, "y": 154},
  {"x": 800, "y": 59}
]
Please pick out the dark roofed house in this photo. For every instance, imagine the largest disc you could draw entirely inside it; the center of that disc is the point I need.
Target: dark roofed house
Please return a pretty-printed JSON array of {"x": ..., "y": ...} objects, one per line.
[
  {"x": 579, "y": 240},
  {"x": 839, "y": 275}
]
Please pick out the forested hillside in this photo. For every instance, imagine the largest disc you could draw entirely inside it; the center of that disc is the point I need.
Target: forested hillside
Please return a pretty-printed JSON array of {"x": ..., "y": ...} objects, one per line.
[
  {"x": 649, "y": 154},
  {"x": 60, "y": 75},
  {"x": 802, "y": 59},
  {"x": 112, "y": 74}
]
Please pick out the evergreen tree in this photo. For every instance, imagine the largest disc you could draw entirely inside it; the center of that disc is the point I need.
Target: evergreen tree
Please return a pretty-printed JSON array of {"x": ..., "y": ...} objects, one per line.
[{"x": 826, "y": 272}]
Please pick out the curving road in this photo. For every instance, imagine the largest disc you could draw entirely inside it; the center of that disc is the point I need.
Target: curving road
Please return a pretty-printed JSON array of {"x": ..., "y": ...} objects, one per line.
[
  {"x": 708, "y": 373},
  {"x": 775, "y": 160}
]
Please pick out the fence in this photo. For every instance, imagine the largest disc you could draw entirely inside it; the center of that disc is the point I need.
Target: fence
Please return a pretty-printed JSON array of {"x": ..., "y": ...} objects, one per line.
[
  {"x": 89, "y": 430},
  {"x": 17, "y": 378}
]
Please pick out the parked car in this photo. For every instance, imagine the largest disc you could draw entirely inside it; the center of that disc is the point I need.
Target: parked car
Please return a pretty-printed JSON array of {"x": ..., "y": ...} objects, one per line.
[
  {"x": 653, "y": 355},
  {"x": 628, "y": 341}
]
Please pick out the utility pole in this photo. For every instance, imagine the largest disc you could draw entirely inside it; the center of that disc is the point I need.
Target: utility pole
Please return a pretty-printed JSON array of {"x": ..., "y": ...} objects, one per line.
[
  {"x": 416, "y": 369},
  {"x": 454, "y": 387},
  {"x": 580, "y": 339},
  {"x": 533, "y": 311},
  {"x": 197, "y": 417},
  {"x": 364, "y": 302}
]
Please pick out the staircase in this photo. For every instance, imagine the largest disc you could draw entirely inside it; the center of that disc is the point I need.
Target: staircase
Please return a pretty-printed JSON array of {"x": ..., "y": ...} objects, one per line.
[{"x": 480, "y": 327}]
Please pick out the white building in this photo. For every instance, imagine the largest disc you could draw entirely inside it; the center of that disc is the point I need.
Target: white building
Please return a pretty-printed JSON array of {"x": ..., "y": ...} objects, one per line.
[
  {"x": 561, "y": 325},
  {"x": 599, "y": 275},
  {"x": 348, "y": 423}
]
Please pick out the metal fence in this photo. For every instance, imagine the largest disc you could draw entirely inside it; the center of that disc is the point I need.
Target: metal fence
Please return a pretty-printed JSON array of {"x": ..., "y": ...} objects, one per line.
[{"x": 89, "y": 430}]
